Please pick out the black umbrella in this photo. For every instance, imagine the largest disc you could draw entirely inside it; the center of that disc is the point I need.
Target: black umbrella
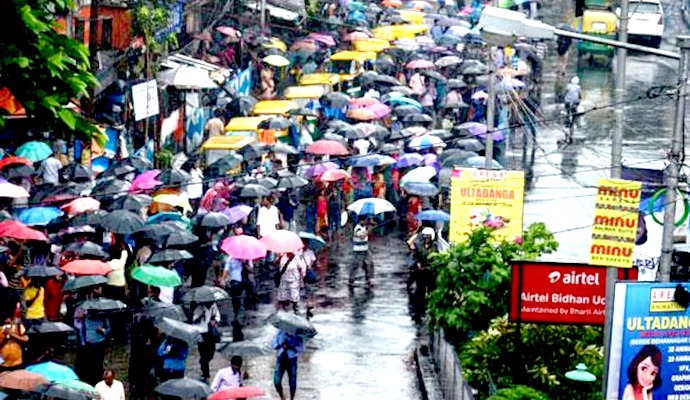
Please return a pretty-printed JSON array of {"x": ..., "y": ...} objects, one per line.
[
  {"x": 268, "y": 183},
  {"x": 51, "y": 327},
  {"x": 175, "y": 238},
  {"x": 458, "y": 158},
  {"x": 184, "y": 388},
  {"x": 404, "y": 90},
  {"x": 304, "y": 112},
  {"x": 401, "y": 111},
  {"x": 348, "y": 131},
  {"x": 441, "y": 133},
  {"x": 134, "y": 202},
  {"x": 246, "y": 348},
  {"x": 469, "y": 144},
  {"x": 88, "y": 249},
  {"x": 170, "y": 255},
  {"x": 222, "y": 166},
  {"x": 58, "y": 391},
  {"x": 205, "y": 294},
  {"x": 118, "y": 169},
  {"x": 242, "y": 105},
  {"x": 390, "y": 148},
  {"x": 280, "y": 147},
  {"x": 102, "y": 304},
  {"x": 277, "y": 123},
  {"x": 214, "y": 220},
  {"x": 252, "y": 151},
  {"x": 122, "y": 221},
  {"x": 161, "y": 230},
  {"x": 18, "y": 171},
  {"x": 386, "y": 80},
  {"x": 474, "y": 69},
  {"x": 179, "y": 330},
  {"x": 291, "y": 182},
  {"x": 158, "y": 310},
  {"x": 173, "y": 177},
  {"x": 58, "y": 223},
  {"x": 46, "y": 191},
  {"x": 336, "y": 99},
  {"x": 76, "y": 173},
  {"x": 89, "y": 218},
  {"x": 417, "y": 118},
  {"x": 448, "y": 61},
  {"x": 293, "y": 324},
  {"x": 110, "y": 188},
  {"x": 431, "y": 74},
  {"x": 43, "y": 271},
  {"x": 456, "y": 84},
  {"x": 338, "y": 138},
  {"x": 254, "y": 190}
]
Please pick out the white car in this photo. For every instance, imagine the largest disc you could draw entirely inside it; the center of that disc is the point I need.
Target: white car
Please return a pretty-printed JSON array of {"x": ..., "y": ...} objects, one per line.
[{"x": 646, "y": 23}]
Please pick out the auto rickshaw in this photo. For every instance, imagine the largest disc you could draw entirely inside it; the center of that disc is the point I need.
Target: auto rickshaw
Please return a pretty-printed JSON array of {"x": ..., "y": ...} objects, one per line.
[
  {"x": 599, "y": 21},
  {"x": 302, "y": 95},
  {"x": 395, "y": 32},
  {"x": 274, "y": 107},
  {"x": 331, "y": 80},
  {"x": 218, "y": 147},
  {"x": 373, "y": 44},
  {"x": 245, "y": 126},
  {"x": 349, "y": 64}
]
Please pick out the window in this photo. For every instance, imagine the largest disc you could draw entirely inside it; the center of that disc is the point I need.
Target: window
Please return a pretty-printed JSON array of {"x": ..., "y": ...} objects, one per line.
[
  {"x": 106, "y": 37},
  {"x": 645, "y": 8},
  {"x": 79, "y": 27}
]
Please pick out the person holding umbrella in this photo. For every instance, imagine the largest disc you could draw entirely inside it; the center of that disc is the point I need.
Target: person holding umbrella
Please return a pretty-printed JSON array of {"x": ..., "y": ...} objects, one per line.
[
  {"x": 206, "y": 317},
  {"x": 288, "y": 347},
  {"x": 173, "y": 353},
  {"x": 360, "y": 252}
]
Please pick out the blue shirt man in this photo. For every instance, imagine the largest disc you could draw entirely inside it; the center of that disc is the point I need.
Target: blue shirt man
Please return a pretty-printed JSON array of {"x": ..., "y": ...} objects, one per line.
[{"x": 288, "y": 348}]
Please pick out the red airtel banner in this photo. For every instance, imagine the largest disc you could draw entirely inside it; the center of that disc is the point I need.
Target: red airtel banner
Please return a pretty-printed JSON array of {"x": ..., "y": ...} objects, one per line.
[{"x": 560, "y": 293}]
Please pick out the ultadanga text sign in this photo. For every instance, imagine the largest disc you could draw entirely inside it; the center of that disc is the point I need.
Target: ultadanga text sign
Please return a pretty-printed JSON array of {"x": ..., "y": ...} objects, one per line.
[
  {"x": 486, "y": 198},
  {"x": 615, "y": 223}
]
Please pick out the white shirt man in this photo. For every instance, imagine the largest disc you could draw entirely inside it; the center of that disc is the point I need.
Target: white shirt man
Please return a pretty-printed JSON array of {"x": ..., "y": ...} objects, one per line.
[
  {"x": 50, "y": 169},
  {"x": 268, "y": 218},
  {"x": 110, "y": 388}
]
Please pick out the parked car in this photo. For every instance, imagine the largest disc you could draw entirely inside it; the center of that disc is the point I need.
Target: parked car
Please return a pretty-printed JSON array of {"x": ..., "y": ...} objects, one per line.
[{"x": 646, "y": 23}]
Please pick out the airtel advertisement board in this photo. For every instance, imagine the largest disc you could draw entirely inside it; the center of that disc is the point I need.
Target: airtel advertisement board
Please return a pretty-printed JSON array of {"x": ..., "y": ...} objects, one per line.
[{"x": 560, "y": 293}]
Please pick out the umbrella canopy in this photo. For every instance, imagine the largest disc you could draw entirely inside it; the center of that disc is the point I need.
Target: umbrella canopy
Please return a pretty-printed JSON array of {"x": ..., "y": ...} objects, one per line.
[
  {"x": 51, "y": 327},
  {"x": 448, "y": 61},
  {"x": 170, "y": 255},
  {"x": 243, "y": 247},
  {"x": 276, "y": 60},
  {"x": 12, "y": 191},
  {"x": 421, "y": 174},
  {"x": 422, "y": 118},
  {"x": 254, "y": 190},
  {"x": 14, "y": 160},
  {"x": 237, "y": 213},
  {"x": 327, "y": 147},
  {"x": 409, "y": 160},
  {"x": 38, "y": 215},
  {"x": 458, "y": 158},
  {"x": 282, "y": 241},
  {"x": 156, "y": 276},
  {"x": 16, "y": 230},
  {"x": 102, "y": 304},
  {"x": 421, "y": 189},
  {"x": 470, "y": 144},
  {"x": 433, "y": 75},
  {"x": 290, "y": 181},
  {"x": 179, "y": 330},
  {"x": 87, "y": 249},
  {"x": 480, "y": 162},
  {"x": 175, "y": 237},
  {"x": 433, "y": 215},
  {"x": 420, "y": 64},
  {"x": 334, "y": 175},
  {"x": 122, "y": 221},
  {"x": 59, "y": 390},
  {"x": 246, "y": 348},
  {"x": 371, "y": 206},
  {"x": 75, "y": 173},
  {"x": 184, "y": 388},
  {"x": 240, "y": 392},
  {"x": 130, "y": 202},
  {"x": 223, "y": 166},
  {"x": 215, "y": 220},
  {"x": 34, "y": 151},
  {"x": 426, "y": 142},
  {"x": 185, "y": 77},
  {"x": 205, "y": 294},
  {"x": 81, "y": 282},
  {"x": 22, "y": 380},
  {"x": 293, "y": 324},
  {"x": 173, "y": 177},
  {"x": 336, "y": 99},
  {"x": 87, "y": 267},
  {"x": 53, "y": 371},
  {"x": 145, "y": 181},
  {"x": 168, "y": 216},
  {"x": 318, "y": 169},
  {"x": 19, "y": 171},
  {"x": 158, "y": 310},
  {"x": 81, "y": 205},
  {"x": 314, "y": 242},
  {"x": 43, "y": 271}
]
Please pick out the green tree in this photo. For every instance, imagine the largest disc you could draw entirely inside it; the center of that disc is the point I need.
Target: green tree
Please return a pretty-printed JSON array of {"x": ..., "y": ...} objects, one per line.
[
  {"x": 518, "y": 392},
  {"x": 151, "y": 19},
  {"x": 43, "y": 69},
  {"x": 473, "y": 279}
]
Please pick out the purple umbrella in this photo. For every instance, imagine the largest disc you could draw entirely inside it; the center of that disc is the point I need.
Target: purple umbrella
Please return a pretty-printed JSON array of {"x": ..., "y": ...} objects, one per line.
[
  {"x": 237, "y": 213},
  {"x": 431, "y": 160},
  {"x": 409, "y": 160},
  {"x": 318, "y": 169},
  {"x": 479, "y": 130},
  {"x": 380, "y": 110}
]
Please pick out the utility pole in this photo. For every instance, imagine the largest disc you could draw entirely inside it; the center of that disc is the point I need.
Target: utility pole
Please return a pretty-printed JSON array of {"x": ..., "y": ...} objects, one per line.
[
  {"x": 490, "y": 107},
  {"x": 263, "y": 16},
  {"x": 616, "y": 161},
  {"x": 674, "y": 158}
]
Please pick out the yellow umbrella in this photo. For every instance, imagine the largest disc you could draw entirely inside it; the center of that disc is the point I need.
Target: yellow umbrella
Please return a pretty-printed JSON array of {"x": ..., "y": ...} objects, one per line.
[
  {"x": 175, "y": 200},
  {"x": 275, "y": 43},
  {"x": 276, "y": 60}
]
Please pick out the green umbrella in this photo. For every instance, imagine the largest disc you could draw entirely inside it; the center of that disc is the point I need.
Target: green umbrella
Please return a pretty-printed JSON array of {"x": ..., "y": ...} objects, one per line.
[
  {"x": 506, "y": 3},
  {"x": 34, "y": 151},
  {"x": 78, "y": 385},
  {"x": 156, "y": 276}
]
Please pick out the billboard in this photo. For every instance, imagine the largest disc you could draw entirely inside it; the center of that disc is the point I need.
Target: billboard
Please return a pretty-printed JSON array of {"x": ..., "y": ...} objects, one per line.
[
  {"x": 649, "y": 354},
  {"x": 559, "y": 293},
  {"x": 481, "y": 197},
  {"x": 616, "y": 217}
]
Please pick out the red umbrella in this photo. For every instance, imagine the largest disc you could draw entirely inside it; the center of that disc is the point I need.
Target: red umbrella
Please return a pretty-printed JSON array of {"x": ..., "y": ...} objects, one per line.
[
  {"x": 241, "y": 392},
  {"x": 327, "y": 147},
  {"x": 282, "y": 241},
  {"x": 334, "y": 175},
  {"x": 14, "y": 160},
  {"x": 87, "y": 267},
  {"x": 16, "y": 230},
  {"x": 22, "y": 379}
]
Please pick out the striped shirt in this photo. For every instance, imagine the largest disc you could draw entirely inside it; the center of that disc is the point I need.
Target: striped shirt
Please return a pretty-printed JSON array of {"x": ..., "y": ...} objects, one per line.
[{"x": 360, "y": 239}]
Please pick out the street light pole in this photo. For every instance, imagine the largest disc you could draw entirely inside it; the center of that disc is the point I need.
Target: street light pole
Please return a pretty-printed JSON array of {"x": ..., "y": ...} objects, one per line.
[
  {"x": 490, "y": 114},
  {"x": 674, "y": 157},
  {"x": 263, "y": 16}
]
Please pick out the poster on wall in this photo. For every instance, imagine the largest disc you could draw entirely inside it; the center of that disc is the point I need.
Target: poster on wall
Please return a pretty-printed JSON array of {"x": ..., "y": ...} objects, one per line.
[
  {"x": 480, "y": 197},
  {"x": 649, "y": 353},
  {"x": 145, "y": 100},
  {"x": 616, "y": 215}
]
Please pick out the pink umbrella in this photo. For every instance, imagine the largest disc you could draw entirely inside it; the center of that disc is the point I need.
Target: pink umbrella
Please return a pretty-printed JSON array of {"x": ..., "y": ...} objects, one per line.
[
  {"x": 243, "y": 247},
  {"x": 145, "y": 181},
  {"x": 380, "y": 110},
  {"x": 323, "y": 38},
  {"x": 282, "y": 241},
  {"x": 334, "y": 175},
  {"x": 230, "y": 32},
  {"x": 80, "y": 205},
  {"x": 318, "y": 169},
  {"x": 327, "y": 147},
  {"x": 12, "y": 191},
  {"x": 240, "y": 392},
  {"x": 420, "y": 64},
  {"x": 357, "y": 35},
  {"x": 363, "y": 102}
]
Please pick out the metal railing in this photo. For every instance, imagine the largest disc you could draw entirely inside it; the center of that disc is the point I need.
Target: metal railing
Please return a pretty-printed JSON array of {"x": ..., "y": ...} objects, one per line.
[{"x": 448, "y": 367}]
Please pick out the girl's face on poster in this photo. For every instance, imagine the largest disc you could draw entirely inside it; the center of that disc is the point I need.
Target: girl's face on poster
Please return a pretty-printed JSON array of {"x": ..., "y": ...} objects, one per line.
[{"x": 647, "y": 372}]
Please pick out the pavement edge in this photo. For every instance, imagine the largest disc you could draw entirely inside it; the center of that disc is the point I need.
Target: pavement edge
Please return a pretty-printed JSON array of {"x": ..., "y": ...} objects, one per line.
[{"x": 429, "y": 383}]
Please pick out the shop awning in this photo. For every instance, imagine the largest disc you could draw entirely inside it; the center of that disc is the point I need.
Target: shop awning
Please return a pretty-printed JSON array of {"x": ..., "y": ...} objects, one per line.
[{"x": 276, "y": 12}]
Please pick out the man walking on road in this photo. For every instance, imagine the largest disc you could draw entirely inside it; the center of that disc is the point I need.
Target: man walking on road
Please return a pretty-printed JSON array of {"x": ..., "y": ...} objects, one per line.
[
  {"x": 289, "y": 347},
  {"x": 360, "y": 252}
]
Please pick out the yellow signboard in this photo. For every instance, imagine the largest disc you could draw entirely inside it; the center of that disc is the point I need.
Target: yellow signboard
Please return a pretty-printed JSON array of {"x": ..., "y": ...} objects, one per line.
[
  {"x": 486, "y": 198},
  {"x": 615, "y": 223}
]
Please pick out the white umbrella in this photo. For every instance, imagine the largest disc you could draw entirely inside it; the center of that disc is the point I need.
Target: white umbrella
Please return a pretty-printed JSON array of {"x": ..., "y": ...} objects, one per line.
[
  {"x": 371, "y": 206},
  {"x": 426, "y": 142},
  {"x": 187, "y": 78},
  {"x": 421, "y": 174}
]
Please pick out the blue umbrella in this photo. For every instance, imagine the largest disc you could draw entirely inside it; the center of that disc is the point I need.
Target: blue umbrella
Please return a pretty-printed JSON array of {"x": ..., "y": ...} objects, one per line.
[
  {"x": 402, "y": 100},
  {"x": 479, "y": 161},
  {"x": 409, "y": 160},
  {"x": 433, "y": 215},
  {"x": 39, "y": 215},
  {"x": 421, "y": 189},
  {"x": 165, "y": 216},
  {"x": 371, "y": 160},
  {"x": 34, "y": 151},
  {"x": 53, "y": 371},
  {"x": 314, "y": 242}
]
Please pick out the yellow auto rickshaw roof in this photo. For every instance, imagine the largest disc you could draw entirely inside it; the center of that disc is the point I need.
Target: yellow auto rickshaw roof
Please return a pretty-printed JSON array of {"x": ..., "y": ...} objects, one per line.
[
  {"x": 244, "y": 123},
  {"x": 275, "y": 43},
  {"x": 374, "y": 44},
  {"x": 319, "y": 79},
  {"x": 349, "y": 55},
  {"x": 590, "y": 17},
  {"x": 415, "y": 17},
  {"x": 227, "y": 142},
  {"x": 394, "y": 32},
  {"x": 274, "y": 107},
  {"x": 305, "y": 92}
]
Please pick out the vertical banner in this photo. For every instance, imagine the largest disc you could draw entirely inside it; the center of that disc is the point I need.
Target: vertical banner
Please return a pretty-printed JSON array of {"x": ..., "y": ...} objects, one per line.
[
  {"x": 649, "y": 354},
  {"x": 491, "y": 198},
  {"x": 616, "y": 216}
]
